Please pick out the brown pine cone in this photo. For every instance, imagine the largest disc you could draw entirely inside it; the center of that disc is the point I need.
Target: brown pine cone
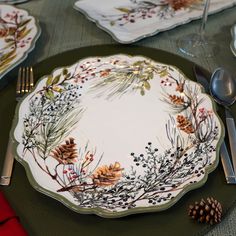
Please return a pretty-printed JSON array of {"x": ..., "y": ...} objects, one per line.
[
  {"x": 177, "y": 100},
  {"x": 178, "y": 4},
  {"x": 107, "y": 175},
  {"x": 209, "y": 211},
  {"x": 65, "y": 153},
  {"x": 185, "y": 124}
]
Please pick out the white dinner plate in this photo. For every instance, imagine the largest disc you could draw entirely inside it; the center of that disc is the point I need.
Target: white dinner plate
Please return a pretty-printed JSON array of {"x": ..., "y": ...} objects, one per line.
[{"x": 117, "y": 135}]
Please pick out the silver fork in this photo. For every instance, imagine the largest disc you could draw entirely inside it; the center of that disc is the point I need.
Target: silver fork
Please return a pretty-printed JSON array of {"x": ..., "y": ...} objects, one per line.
[{"x": 25, "y": 83}]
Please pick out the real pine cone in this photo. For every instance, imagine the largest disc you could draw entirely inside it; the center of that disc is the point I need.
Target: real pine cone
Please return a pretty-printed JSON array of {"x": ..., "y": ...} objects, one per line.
[{"x": 208, "y": 211}]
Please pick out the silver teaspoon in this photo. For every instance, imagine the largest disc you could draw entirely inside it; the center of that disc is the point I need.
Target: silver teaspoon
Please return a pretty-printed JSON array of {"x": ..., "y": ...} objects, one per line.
[{"x": 223, "y": 90}]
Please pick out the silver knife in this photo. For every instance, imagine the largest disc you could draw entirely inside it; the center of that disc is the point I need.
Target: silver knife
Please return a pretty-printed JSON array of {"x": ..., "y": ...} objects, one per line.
[
  {"x": 201, "y": 76},
  {"x": 232, "y": 135}
]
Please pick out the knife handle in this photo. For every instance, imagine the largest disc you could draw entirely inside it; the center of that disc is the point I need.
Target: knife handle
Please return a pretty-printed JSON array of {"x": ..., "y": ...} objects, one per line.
[
  {"x": 7, "y": 166},
  {"x": 227, "y": 166},
  {"x": 232, "y": 136}
]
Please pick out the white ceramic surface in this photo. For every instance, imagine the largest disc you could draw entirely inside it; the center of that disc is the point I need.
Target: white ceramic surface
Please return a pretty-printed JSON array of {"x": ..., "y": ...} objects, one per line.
[
  {"x": 18, "y": 34},
  {"x": 117, "y": 135},
  {"x": 128, "y": 21}
]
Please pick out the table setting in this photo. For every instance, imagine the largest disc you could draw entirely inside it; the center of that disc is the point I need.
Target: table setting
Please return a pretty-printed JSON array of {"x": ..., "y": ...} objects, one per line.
[{"x": 109, "y": 126}]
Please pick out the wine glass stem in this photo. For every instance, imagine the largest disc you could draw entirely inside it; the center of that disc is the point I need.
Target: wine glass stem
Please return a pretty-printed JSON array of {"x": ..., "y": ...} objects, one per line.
[{"x": 204, "y": 19}]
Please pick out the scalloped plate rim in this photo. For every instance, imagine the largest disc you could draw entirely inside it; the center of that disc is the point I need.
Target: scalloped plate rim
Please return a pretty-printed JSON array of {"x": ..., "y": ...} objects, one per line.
[
  {"x": 32, "y": 46},
  {"x": 13, "y": 1},
  {"x": 100, "y": 211},
  {"x": 145, "y": 35}
]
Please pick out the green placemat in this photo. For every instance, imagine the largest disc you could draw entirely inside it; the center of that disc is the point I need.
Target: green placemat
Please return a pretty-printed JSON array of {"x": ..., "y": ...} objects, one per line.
[{"x": 42, "y": 215}]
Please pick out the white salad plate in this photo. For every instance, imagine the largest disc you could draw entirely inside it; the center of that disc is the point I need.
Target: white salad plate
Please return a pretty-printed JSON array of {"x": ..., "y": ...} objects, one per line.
[
  {"x": 18, "y": 34},
  {"x": 128, "y": 21},
  {"x": 117, "y": 135}
]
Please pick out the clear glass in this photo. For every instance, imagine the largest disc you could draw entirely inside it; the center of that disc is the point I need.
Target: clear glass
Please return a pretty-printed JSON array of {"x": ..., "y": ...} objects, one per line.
[{"x": 197, "y": 45}]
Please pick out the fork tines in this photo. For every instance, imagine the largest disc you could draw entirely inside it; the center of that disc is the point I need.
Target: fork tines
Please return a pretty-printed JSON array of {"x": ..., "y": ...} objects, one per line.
[{"x": 25, "y": 81}]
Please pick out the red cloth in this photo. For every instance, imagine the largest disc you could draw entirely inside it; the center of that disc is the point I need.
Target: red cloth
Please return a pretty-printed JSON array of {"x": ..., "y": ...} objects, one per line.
[{"x": 9, "y": 222}]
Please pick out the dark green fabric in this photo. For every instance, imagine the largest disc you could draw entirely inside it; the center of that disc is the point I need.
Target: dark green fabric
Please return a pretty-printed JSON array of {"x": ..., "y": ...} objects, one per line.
[{"x": 42, "y": 215}]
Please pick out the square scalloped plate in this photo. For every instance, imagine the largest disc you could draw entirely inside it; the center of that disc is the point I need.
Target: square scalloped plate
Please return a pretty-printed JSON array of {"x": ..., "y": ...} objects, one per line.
[
  {"x": 18, "y": 34},
  {"x": 117, "y": 135},
  {"x": 128, "y": 21}
]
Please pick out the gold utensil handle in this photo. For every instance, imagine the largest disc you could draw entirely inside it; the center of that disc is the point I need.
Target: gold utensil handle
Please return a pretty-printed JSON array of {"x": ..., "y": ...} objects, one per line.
[{"x": 7, "y": 166}]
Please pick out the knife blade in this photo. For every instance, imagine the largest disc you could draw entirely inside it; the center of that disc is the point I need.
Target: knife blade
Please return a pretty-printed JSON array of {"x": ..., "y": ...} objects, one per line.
[{"x": 202, "y": 77}]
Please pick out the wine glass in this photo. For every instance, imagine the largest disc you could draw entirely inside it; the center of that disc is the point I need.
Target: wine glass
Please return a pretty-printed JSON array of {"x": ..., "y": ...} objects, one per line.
[{"x": 196, "y": 45}]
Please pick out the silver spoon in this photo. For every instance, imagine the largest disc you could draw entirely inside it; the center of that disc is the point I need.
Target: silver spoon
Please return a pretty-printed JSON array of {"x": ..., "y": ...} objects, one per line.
[
  {"x": 223, "y": 90},
  {"x": 223, "y": 87}
]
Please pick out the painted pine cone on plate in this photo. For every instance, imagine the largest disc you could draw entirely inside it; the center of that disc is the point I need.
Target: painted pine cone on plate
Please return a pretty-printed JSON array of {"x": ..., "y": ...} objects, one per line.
[
  {"x": 66, "y": 153},
  {"x": 206, "y": 211}
]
